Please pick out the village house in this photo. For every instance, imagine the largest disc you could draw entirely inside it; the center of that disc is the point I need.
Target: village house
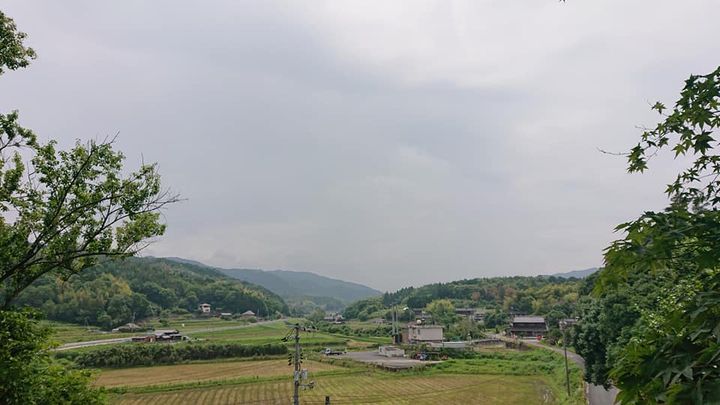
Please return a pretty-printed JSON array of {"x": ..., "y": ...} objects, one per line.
[
  {"x": 334, "y": 318},
  {"x": 418, "y": 334},
  {"x": 248, "y": 314},
  {"x": 204, "y": 309},
  {"x": 528, "y": 326}
]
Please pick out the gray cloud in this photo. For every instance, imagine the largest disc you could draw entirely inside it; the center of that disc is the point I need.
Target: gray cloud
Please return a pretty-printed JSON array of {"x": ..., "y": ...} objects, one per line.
[{"x": 388, "y": 143}]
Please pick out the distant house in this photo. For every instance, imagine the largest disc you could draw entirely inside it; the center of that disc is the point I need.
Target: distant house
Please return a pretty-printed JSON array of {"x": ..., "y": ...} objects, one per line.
[
  {"x": 465, "y": 311},
  {"x": 225, "y": 315},
  {"x": 417, "y": 334},
  {"x": 248, "y": 314},
  {"x": 204, "y": 308},
  {"x": 528, "y": 326},
  {"x": 334, "y": 318}
]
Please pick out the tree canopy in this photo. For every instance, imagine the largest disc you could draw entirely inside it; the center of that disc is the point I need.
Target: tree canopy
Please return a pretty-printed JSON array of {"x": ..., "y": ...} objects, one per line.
[{"x": 660, "y": 286}]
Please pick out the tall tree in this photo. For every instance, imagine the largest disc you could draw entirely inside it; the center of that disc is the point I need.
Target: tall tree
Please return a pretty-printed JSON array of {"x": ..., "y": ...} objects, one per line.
[
  {"x": 671, "y": 352},
  {"x": 59, "y": 214}
]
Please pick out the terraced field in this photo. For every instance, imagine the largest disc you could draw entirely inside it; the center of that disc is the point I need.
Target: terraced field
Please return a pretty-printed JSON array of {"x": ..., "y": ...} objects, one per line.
[
  {"x": 181, "y": 373},
  {"x": 366, "y": 389}
]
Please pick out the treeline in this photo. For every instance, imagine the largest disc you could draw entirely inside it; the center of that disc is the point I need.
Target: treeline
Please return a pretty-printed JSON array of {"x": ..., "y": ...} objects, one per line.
[
  {"x": 154, "y": 354},
  {"x": 119, "y": 291},
  {"x": 500, "y": 295}
]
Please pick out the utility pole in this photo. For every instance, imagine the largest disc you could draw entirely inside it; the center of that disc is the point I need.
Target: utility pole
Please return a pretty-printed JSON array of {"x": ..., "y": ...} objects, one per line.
[
  {"x": 296, "y": 360},
  {"x": 563, "y": 327},
  {"x": 296, "y": 363}
]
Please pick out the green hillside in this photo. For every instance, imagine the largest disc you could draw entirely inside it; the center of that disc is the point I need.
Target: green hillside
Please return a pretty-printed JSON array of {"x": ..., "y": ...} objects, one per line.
[
  {"x": 500, "y": 295},
  {"x": 297, "y": 285},
  {"x": 118, "y": 291}
]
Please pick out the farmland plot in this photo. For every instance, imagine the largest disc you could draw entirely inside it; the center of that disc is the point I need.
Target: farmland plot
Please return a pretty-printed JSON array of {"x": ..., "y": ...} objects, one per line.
[
  {"x": 367, "y": 389},
  {"x": 141, "y": 376}
]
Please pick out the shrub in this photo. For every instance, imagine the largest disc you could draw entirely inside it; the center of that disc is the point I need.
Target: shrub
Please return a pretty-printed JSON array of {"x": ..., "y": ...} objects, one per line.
[{"x": 158, "y": 353}]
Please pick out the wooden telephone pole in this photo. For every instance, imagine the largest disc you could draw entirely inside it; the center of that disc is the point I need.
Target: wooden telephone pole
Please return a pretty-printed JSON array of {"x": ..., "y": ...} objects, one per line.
[{"x": 296, "y": 361}]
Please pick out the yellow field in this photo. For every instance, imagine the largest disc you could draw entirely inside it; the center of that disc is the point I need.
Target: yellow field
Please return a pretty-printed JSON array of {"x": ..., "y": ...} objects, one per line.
[
  {"x": 365, "y": 389},
  {"x": 139, "y": 376}
]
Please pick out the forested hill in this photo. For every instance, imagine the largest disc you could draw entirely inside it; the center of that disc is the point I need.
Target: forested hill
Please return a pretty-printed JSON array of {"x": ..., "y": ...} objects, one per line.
[
  {"x": 293, "y": 284},
  {"x": 502, "y": 295},
  {"x": 116, "y": 291}
]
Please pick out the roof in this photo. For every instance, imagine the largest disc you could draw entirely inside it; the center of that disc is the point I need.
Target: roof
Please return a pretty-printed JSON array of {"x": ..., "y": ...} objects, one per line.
[
  {"x": 424, "y": 326},
  {"x": 528, "y": 319},
  {"x": 248, "y": 312},
  {"x": 205, "y": 304}
]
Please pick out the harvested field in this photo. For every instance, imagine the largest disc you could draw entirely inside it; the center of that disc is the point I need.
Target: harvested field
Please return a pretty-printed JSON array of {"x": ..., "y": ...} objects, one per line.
[
  {"x": 181, "y": 373},
  {"x": 366, "y": 389}
]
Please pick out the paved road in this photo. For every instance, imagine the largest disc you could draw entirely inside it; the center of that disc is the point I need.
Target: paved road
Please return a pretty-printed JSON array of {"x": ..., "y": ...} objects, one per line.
[
  {"x": 77, "y": 345},
  {"x": 596, "y": 394},
  {"x": 394, "y": 363},
  {"x": 100, "y": 342}
]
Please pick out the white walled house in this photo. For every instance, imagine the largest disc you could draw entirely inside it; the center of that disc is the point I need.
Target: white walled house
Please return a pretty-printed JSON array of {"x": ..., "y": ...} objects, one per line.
[
  {"x": 417, "y": 334},
  {"x": 204, "y": 308}
]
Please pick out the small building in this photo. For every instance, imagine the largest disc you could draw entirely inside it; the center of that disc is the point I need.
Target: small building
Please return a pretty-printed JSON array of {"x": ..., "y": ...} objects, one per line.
[
  {"x": 391, "y": 351},
  {"x": 528, "y": 326},
  {"x": 225, "y": 315},
  {"x": 417, "y": 334},
  {"x": 465, "y": 311},
  {"x": 204, "y": 308},
  {"x": 248, "y": 314},
  {"x": 334, "y": 318}
]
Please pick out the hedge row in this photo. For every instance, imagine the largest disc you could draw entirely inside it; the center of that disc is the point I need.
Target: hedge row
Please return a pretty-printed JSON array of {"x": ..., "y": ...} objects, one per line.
[{"x": 149, "y": 354}]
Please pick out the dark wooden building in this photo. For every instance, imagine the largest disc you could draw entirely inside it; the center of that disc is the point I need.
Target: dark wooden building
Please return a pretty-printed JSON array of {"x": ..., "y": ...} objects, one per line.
[{"x": 528, "y": 326}]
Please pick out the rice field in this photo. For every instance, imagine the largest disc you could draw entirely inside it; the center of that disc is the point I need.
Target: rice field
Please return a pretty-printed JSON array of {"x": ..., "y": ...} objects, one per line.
[
  {"x": 365, "y": 389},
  {"x": 182, "y": 373}
]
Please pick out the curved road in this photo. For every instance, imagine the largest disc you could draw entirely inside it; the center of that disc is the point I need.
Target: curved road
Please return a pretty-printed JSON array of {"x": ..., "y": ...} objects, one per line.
[{"x": 596, "y": 394}]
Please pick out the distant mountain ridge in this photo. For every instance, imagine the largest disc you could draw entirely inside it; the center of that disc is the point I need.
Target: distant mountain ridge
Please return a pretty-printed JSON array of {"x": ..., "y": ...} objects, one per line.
[
  {"x": 292, "y": 284},
  {"x": 576, "y": 273}
]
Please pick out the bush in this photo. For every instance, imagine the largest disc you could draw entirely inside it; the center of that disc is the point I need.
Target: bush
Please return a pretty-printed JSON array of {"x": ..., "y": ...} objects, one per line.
[
  {"x": 159, "y": 353},
  {"x": 29, "y": 375}
]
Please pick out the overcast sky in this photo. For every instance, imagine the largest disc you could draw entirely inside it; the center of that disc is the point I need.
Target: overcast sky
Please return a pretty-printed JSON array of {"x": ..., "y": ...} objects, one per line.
[{"x": 384, "y": 142}]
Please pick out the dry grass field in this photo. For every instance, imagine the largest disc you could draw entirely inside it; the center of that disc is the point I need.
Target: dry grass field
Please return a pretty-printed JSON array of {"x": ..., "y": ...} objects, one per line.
[
  {"x": 365, "y": 389},
  {"x": 141, "y": 376}
]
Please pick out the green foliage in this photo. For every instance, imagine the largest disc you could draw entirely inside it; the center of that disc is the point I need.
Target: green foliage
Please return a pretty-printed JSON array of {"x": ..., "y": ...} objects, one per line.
[
  {"x": 665, "y": 269},
  {"x": 688, "y": 130},
  {"x": 529, "y": 295},
  {"x": 442, "y": 311},
  {"x": 531, "y": 362},
  {"x": 496, "y": 318},
  {"x": 72, "y": 208},
  {"x": 148, "y": 354},
  {"x": 119, "y": 291},
  {"x": 674, "y": 355},
  {"x": 318, "y": 315},
  {"x": 29, "y": 375},
  {"x": 13, "y": 53}
]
